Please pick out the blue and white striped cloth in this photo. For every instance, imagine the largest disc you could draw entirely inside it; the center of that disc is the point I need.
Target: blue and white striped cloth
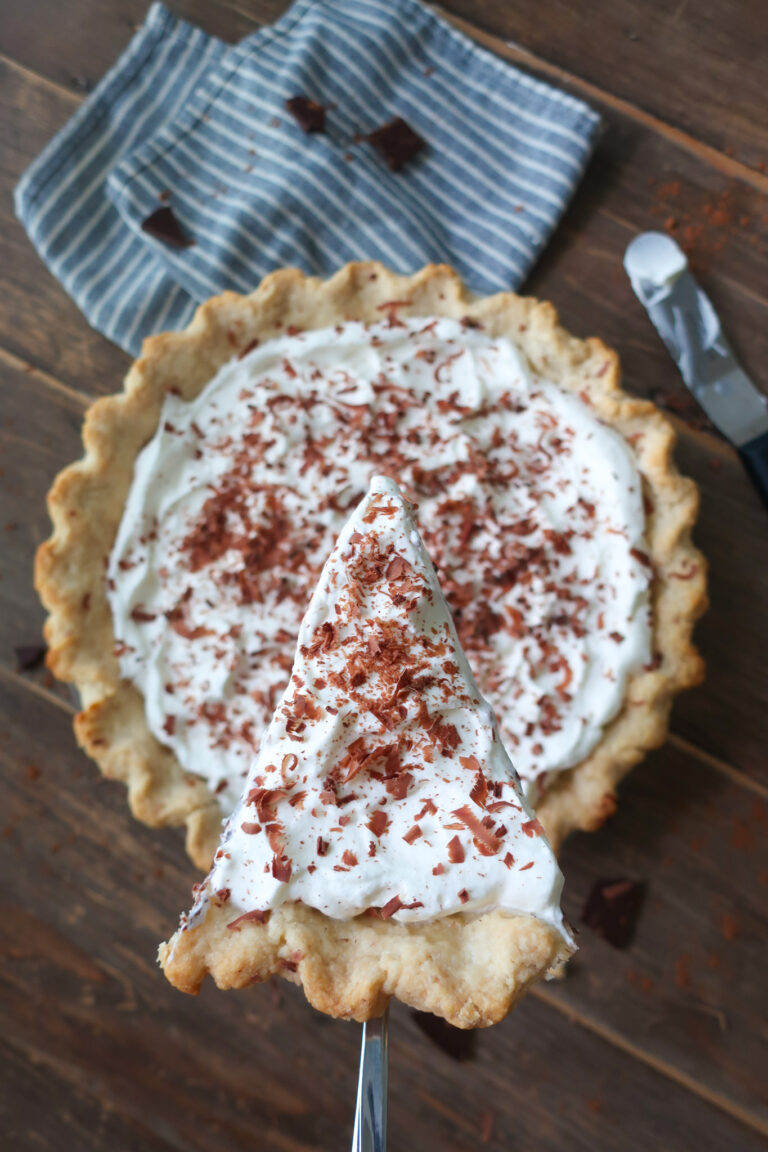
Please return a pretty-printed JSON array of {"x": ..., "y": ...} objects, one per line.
[{"x": 185, "y": 118}]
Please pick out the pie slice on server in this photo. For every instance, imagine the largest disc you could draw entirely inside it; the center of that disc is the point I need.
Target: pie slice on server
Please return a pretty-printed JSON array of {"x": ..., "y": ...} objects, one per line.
[{"x": 382, "y": 846}]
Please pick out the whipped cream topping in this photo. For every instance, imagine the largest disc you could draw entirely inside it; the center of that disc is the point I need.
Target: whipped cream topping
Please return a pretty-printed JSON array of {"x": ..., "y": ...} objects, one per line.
[
  {"x": 381, "y": 782},
  {"x": 530, "y": 507}
]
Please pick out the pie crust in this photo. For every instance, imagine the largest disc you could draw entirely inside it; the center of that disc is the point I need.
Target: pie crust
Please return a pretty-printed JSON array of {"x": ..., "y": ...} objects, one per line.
[
  {"x": 86, "y": 504},
  {"x": 471, "y": 972}
]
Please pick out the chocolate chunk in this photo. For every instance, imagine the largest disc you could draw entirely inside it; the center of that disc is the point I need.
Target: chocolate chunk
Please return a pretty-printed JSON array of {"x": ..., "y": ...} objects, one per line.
[
  {"x": 612, "y": 909},
  {"x": 455, "y": 1042},
  {"x": 29, "y": 656},
  {"x": 308, "y": 114},
  {"x": 162, "y": 225},
  {"x": 396, "y": 142}
]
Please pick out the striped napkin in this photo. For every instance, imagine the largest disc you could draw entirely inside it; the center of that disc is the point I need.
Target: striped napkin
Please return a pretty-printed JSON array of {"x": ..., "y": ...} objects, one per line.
[{"x": 187, "y": 123}]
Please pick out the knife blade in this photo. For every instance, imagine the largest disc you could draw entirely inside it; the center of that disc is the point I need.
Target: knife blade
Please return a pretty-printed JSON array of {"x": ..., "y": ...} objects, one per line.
[{"x": 687, "y": 322}]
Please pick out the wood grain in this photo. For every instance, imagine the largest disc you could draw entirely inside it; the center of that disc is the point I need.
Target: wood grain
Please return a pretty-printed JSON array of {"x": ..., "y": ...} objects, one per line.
[
  {"x": 82, "y": 999},
  {"x": 38, "y": 321},
  {"x": 700, "y": 66},
  {"x": 658, "y": 1046},
  {"x": 75, "y": 44},
  {"x": 701, "y": 847},
  {"x": 39, "y": 1109}
]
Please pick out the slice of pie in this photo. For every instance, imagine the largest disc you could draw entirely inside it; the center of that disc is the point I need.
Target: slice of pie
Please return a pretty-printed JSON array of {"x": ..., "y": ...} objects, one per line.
[
  {"x": 382, "y": 845},
  {"x": 188, "y": 540}
]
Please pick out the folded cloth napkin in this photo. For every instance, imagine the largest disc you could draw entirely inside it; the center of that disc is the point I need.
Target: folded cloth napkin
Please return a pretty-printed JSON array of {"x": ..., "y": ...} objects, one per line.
[{"x": 187, "y": 122}]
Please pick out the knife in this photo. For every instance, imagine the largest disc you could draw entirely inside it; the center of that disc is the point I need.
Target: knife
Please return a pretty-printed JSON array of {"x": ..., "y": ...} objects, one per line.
[{"x": 687, "y": 322}]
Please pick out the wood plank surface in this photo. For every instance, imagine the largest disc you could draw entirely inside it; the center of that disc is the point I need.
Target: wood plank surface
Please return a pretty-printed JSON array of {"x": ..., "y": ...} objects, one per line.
[
  {"x": 701, "y": 66},
  {"x": 661, "y": 1045},
  {"x": 40, "y": 1109},
  {"x": 81, "y": 999}
]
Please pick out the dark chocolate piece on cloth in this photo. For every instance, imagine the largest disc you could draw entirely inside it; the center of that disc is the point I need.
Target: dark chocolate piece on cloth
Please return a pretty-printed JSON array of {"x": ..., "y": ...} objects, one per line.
[
  {"x": 162, "y": 225},
  {"x": 612, "y": 910},
  {"x": 308, "y": 114},
  {"x": 396, "y": 142}
]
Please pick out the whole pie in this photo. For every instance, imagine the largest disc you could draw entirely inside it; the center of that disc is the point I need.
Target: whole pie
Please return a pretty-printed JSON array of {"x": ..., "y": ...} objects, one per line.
[
  {"x": 188, "y": 540},
  {"x": 381, "y": 844}
]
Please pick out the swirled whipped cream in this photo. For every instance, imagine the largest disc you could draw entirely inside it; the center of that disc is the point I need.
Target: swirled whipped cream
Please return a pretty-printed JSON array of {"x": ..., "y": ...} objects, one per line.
[
  {"x": 530, "y": 507},
  {"x": 381, "y": 782}
]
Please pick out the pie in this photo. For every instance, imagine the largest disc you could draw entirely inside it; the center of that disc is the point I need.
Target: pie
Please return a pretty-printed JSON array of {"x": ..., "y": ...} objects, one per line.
[
  {"x": 187, "y": 541},
  {"x": 381, "y": 845}
]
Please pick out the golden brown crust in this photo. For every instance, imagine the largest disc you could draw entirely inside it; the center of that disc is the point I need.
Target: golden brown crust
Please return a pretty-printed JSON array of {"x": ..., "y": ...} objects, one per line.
[
  {"x": 470, "y": 972},
  {"x": 87, "y": 499}
]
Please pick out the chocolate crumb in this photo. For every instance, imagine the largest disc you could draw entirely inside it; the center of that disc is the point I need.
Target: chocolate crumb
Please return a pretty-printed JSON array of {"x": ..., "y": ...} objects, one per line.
[
  {"x": 29, "y": 656},
  {"x": 612, "y": 909},
  {"x": 163, "y": 225},
  {"x": 396, "y": 142},
  {"x": 249, "y": 347},
  {"x": 308, "y": 114}
]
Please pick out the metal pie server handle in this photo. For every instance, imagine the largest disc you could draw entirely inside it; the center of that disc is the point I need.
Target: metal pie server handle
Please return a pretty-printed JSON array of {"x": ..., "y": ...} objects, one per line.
[
  {"x": 370, "y": 1132},
  {"x": 754, "y": 457}
]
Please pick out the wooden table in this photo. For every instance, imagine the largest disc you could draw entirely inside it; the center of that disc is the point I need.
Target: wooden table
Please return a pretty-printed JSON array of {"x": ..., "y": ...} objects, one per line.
[{"x": 660, "y": 1046}]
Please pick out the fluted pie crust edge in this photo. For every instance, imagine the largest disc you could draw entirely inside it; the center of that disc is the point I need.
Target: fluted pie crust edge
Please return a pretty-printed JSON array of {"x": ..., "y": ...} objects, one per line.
[{"x": 471, "y": 972}]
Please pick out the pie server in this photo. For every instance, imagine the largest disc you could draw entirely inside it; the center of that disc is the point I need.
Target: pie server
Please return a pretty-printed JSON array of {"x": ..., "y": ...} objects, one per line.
[
  {"x": 370, "y": 1132},
  {"x": 689, "y": 326}
]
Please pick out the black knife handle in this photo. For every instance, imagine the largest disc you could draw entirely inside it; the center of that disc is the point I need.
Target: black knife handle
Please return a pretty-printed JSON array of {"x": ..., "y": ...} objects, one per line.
[{"x": 754, "y": 456}]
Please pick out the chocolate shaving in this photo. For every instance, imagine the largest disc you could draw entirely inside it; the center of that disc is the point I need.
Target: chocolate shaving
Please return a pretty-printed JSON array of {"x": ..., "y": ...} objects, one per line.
[
  {"x": 258, "y": 915},
  {"x": 484, "y": 839},
  {"x": 413, "y": 834},
  {"x": 396, "y": 142},
  {"x": 281, "y": 868},
  {"x": 455, "y": 851},
  {"x": 479, "y": 791},
  {"x": 377, "y": 822},
  {"x": 163, "y": 225},
  {"x": 391, "y": 906},
  {"x": 612, "y": 909},
  {"x": 139, "y": 616},
  {"x": 249, "y": 347}
]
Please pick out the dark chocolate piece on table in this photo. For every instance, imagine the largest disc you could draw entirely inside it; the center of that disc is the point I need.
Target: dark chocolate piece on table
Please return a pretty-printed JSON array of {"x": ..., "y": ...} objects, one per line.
[
  {"x": 612, "y": 909},
  {"x": 29, "y": 656}
]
